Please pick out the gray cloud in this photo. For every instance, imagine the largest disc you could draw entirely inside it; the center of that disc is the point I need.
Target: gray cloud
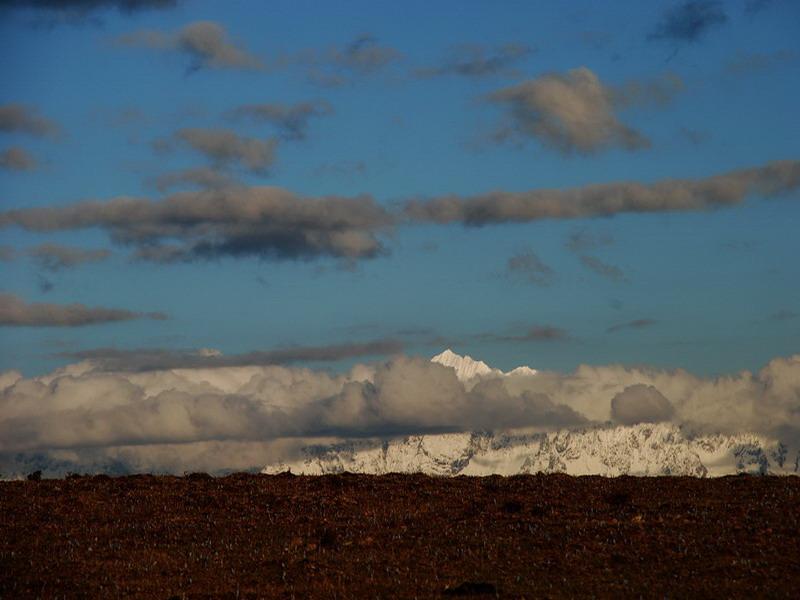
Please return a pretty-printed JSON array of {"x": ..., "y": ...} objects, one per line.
[
  {"x": 528, "y": 267},
  {"x": 689, "y": 21},
  {"x": 583, "y": 240},
  {"x": 609, "y": 271},
  {"x": 18, "y": 118},
  {"x": 340, "y": 66},
  {"x": 54, "y": 257},
  {"x": 669, "y": 195},
  {"x": 291, "y": 120},
  {"x": 475, "y": 60},
  {"x": 206, "y": 43},
  {"x": 758, "y": 62},
  {"x": 224, "y": 147},
  {"x": 155, "y": 359},
  {"x": 77, "y": 10},
  {"x": 7, "y": 253},
  {"x": 536, "y": 333},
  {"x": 640, "y": 403},
  {"x": 15, "y": 312},
  {"x": 783, "y": 315},
  {"x": 264, "y": 222},
  {"x": 635, "y": 324},
  {"x": 17, "y": 159},
  {"x": 202, "y": 177}
]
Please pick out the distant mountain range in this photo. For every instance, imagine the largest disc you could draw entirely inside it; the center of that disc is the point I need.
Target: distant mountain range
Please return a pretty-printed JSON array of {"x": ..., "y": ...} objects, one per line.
[{"x": 642, "y": 449}]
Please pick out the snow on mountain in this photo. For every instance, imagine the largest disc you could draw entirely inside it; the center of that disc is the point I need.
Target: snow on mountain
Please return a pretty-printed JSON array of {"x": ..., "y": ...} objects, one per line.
[
  {"x": 468, "y": 368},
  {"x": 644, "y": 449}
]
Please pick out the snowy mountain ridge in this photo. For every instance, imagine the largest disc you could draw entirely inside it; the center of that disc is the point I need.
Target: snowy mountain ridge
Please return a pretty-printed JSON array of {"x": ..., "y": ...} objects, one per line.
[
  {"x": 644, "y": 449},
  {"x": 468, "y": 368}
]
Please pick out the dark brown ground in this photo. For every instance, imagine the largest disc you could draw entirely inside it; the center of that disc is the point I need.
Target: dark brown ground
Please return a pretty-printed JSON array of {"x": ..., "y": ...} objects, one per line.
[{"x": 399, "y": 536}]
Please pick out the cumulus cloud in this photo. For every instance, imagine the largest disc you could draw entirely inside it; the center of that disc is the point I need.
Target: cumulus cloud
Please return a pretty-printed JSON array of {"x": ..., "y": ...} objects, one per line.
[
  {"x": 225, "y": 148},
  {"x": 17, "y": 159},
  {"x": 635, "y": 324},
  {"x": 608, "y": 199},
  {"x": 640, "y": 403},
  {"x": 264, "y": 222},
  {"x": 689, "y": 21},
  {"x": 290, "y": 120},
  {"x": 528, "y": 267},
  {"x": 172, "y": 417},
  {"x": 206, "y": 43},
  {"x": 18, "y": 118},
  {"x": 155, "y": 359},
  {"x": 15, "y": 312},
  {"x": 55, "y": 257},
  {"x": 476, "y": 60},
  {"x": 572, "y": 112}
]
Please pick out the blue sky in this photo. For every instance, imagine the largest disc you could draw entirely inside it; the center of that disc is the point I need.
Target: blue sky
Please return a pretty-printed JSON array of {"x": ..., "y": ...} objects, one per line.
[{"x": 710, "y": 291}]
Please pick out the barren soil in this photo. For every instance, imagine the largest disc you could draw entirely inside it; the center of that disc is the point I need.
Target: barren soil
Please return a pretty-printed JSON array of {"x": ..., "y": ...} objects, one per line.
[{"x": 348, "y": 536}]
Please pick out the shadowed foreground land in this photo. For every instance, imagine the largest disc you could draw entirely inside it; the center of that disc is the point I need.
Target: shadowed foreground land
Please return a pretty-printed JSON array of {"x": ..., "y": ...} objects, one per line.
[{"x": 399, "y": 535}]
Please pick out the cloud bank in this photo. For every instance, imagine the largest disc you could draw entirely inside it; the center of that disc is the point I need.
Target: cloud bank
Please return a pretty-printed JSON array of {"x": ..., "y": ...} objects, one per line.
[
  {"x": 189, "y": 410},
  {"x": 15, "y": 312}
]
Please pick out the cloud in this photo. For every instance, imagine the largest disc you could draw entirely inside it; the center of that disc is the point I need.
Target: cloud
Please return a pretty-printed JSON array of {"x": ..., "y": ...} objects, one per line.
[
  {"x": 15, "y": 312},
  {"x": 206, "y": 43},
  {"x": 173, "y": 419},
  {"x": 758, "y": 62},
  {"x": 79, "y": 10},
  {"x": 291, "y": 120},
  {"x": 202, "y": 177},
  {"x": 689, "y": 21},
  {"x": 609, "y": 271},
  {"x": 54, "y": 257},
  {"x": 340, "y": 66},
  {"x": 7, "y": 253},
  {"x": 81, "y": 408},
  {"x": 475, "y": 60},
  {"x": 608, "y": 199},
  {"x": 536, "y": 333},
  {"x": 572, "y": 113},
  {"x": 224, "y": 147},
  {"x": 583, "y": 240},
  {"x": 264, "y": 222},
  {"x": 154, "y": 359},
  {"x": 783, "y": 315},
  {"x": 635, "y": 324},
  {"x": 640, "y": 403},
  {"x": 528, "y": 267},
  {"x": 18, "y": 118},
  {"x": 17, "y": 159}
]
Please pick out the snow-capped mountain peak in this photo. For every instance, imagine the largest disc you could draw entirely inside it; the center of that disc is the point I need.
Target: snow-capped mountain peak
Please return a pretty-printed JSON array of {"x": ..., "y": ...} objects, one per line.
[{"x": 466, "y": 367}]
